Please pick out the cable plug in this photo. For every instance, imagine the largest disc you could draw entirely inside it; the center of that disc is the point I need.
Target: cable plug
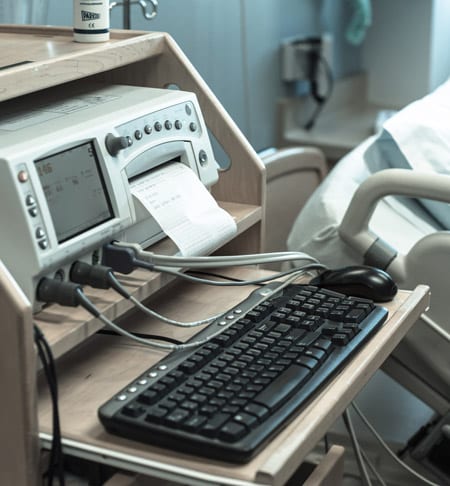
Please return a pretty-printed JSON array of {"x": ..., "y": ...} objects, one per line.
[
  {"x": 120, "y": 259},
  {"x": 54, "y": 291},
  {"x": 97, "y": 276}
]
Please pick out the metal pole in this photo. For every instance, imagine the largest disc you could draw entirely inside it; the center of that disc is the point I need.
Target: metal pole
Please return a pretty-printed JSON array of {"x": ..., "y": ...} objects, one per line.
[{"x": 126, "y": 14}]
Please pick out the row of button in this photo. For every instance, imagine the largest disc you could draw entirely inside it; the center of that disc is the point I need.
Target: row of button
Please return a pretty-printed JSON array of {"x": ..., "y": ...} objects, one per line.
[
  {"x": 33, "y": 212},
  {"x": 158, "y": 126}
]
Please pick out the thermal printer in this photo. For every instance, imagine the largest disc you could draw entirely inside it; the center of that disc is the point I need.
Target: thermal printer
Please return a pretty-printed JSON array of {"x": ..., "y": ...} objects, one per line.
[{"x": 67, "y": 160}]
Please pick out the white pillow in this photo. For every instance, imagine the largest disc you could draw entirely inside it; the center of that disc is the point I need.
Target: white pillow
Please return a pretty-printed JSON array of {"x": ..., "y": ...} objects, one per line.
[{"x": 418, "y": 138}]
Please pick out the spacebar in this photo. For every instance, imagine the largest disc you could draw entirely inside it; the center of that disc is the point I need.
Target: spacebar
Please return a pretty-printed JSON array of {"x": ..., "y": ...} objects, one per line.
[{"x": 283, "y": 386}]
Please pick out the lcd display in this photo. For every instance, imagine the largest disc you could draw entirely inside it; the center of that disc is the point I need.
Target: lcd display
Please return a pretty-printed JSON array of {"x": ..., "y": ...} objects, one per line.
[{"x": 75, "y": 190}]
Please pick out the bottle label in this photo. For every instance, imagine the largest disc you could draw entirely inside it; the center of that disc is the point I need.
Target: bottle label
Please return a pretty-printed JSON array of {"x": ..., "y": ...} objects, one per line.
[{"x": 91, "y": 17}]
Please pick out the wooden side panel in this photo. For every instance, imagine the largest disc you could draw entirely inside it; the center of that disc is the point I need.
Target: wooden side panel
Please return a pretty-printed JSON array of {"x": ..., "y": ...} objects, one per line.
[{"x": 18, "y": 420}]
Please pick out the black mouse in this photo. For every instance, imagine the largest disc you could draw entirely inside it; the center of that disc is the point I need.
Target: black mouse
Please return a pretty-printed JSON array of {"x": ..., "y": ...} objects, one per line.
[{"x": 359, "y": 281}]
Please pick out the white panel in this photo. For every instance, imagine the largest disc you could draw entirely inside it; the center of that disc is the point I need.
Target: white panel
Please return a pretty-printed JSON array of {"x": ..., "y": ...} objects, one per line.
[
  {"x": 398, "y": 51},
  {"x": 440, "y": 59}
]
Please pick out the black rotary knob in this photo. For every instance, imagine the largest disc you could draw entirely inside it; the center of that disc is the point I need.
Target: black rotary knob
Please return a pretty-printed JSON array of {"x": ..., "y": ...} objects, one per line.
[{"x": 115, "y": 144}]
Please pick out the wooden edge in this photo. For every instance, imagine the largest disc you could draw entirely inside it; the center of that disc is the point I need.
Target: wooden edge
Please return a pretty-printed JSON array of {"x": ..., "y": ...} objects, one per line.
[
  {"x": 19, "y": 459},
  {"x": 330, "y": 471},
  {"x": 62, "y": 31},
  {"x": 292, "y": 445},
  {"x": 90, "y": 59}
]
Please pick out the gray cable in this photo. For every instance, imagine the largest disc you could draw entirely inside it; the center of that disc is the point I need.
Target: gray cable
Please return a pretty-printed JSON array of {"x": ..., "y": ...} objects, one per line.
[
  {"x": 275, "y": 276},
  {"x": 362, "y": 468},
  {"x": 388, "y": 449},
  {"x": 435, "y": 327},
  {"x": 372, "y": 467},
  {"x": 167, "y": 320},
  {"x": 153, "y": 344},
  {"x": 90, "y": 307},
  {"x": 215, "y": 261}
]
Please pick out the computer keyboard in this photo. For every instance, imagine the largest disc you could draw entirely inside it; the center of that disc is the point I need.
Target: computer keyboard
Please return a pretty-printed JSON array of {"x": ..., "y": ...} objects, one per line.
[{"x": 227, "y": 397}]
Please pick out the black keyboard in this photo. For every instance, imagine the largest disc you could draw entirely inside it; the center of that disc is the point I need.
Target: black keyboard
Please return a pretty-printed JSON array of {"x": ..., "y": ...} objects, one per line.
[{"x": 227, "y": 397}]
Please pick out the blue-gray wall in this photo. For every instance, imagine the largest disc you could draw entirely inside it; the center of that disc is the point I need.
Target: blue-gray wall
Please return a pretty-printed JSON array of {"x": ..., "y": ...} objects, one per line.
[{"x": 234, "y": 44}]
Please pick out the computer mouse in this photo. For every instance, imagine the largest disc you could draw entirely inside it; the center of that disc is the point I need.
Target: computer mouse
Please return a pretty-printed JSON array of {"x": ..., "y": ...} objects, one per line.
[{"x": 360, "y": 281}]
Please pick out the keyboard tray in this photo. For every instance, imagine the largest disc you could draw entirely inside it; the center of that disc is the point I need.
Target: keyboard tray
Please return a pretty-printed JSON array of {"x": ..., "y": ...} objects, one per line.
[{"x": 227, "y": 397}]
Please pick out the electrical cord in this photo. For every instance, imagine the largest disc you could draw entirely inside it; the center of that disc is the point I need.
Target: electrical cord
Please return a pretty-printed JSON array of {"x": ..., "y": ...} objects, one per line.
[
  {"x": 388, "y": 449},
  {"x": 359, "y": 451},
  {"x": 100, "y": 276},
  {"x": 272, "y": 277},
  {"x": 90, "y": 307},
  {"x": 436, "y": 327},
  {"x": 216, "y": 275},
  {"x": 143, "y": 335},
  {"x": 125, "y": 257},
  {"x": 319, "y": 99},
  {"x": 372, "y": 467},
  {"x": 356, "y": 448},
  {"x": 204, "y": 261},
  {"x": 44, "y": 351},
  {"x": 71, "y": 294}
]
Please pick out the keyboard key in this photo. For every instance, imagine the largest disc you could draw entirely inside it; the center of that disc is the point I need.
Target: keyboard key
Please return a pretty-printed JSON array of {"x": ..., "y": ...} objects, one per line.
[
  {"x": 257, "y": 410},
  {"x": 245, "y": 419},
  {"x": 133, "y": 410},
  {"x": 194, "y": 423},
  {"x": 177, "y": 416},
  {"x": 213, "y": 424},
  {"x": 283, "y": 387},
  {"x": 232, "y": 431}
]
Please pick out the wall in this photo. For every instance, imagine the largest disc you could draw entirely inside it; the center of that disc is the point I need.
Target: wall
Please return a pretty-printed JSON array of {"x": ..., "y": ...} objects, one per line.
[
  {"x": 406, "y": 50},
  {"x": 235, "y": 47}
]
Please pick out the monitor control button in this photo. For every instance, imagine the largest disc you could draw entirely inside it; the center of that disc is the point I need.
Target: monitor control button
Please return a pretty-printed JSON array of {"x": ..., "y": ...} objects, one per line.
[{"x": 115, "y": 144}]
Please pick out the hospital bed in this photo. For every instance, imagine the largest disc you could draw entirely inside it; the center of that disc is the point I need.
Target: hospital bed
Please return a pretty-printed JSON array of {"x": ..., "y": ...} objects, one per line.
[{"x": 366, "y": 212}]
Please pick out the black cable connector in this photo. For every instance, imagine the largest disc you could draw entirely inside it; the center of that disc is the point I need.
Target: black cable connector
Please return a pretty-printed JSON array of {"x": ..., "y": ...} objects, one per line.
[
  {"x": 69, "y": 294},
  {"x": 120, "y": 259},
  {"x": 97, "y": 276},
  {"x": 94, "y": 275},
  {"x": 54, "y": 291}
]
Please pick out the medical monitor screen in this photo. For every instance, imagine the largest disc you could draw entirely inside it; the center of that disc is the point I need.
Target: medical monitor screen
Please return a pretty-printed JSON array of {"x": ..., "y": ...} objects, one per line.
[{"x": 75, "y": 190}]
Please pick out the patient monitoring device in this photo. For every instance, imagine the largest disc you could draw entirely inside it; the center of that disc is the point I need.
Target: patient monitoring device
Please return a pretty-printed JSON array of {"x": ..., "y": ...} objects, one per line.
[{"x": 67, "y": 162}]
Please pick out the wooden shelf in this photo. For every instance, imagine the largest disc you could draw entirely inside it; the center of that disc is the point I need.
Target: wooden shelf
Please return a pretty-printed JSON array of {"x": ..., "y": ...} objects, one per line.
[
  {"x": 96, "y": 371},
  {"x": 35, "y": 58}
]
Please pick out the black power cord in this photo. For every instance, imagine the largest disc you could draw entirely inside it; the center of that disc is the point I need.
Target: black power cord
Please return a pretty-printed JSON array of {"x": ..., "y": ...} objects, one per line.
[
  {"x": 318, "y": 62},
  {"x": 56, "y": 462}
]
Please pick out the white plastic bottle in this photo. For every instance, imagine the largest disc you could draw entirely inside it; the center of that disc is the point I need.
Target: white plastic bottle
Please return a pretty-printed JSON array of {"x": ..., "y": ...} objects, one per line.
[{"x": 91, "y": 20}]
